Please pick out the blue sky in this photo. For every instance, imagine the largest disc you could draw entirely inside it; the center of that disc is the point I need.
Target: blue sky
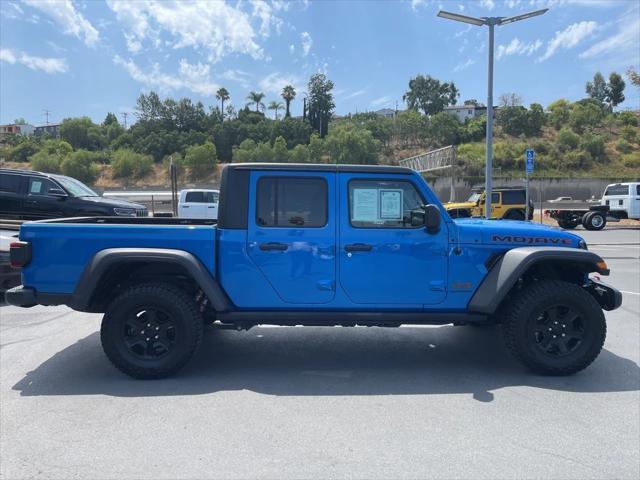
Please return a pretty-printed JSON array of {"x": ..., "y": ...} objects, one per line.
[{"x": 91, "y": 57}]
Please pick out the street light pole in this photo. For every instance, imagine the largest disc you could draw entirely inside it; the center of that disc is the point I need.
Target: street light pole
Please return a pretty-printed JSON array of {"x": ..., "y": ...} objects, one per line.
[{"x": 491, "y": 22}]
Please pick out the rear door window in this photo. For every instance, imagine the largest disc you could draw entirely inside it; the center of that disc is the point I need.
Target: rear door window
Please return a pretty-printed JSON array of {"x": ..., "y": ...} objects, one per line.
[
  {"x": 291, "y": 202},
  {"x": 9, "y": 183},
  {"x": 382, "y": 204},
  {"x": 513, "y": 197},
  {"x": 194, "y": 197},
  {"x": 617, "y": 190}
]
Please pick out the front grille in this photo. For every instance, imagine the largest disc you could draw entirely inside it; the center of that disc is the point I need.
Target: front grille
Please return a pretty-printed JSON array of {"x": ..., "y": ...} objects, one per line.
[{"x": 142, "y": 212}]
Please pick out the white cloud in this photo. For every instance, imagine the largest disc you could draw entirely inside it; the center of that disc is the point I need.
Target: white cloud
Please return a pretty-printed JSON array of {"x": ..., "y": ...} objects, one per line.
[
  {"x": 355, "y": 94},
  {"x": 622, "y": 45},
  {"x": 513, "y": 3},
  {"x": 7, "y": 55},
  {"x": 379, "y": 102},
  {"x": 238, "y": 76},
  {"x": 307, "y": 42},
  {"x": 215, "y": 27},
  {"x": 462, "y": 32},
  {"x": 292, "y": 49},
  {"x": 568, "y": 38},
  {"x": 416, "y": 3},
  {"x": 47, "y": 65},
  {"x": 488, "y": 4},
  {"x": 66, "y": 16},
  {"x": 275, "y": 82},
  {"x": 463, "y": 65},
  {"x": 517, "y": 47},
  {"x": 193, "y": 77}
]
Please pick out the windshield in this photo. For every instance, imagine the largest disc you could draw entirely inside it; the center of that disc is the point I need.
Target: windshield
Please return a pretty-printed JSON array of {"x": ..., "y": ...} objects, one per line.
[
  {"x": 75, "y": 187},
  {"x": 475, "y": 196}
]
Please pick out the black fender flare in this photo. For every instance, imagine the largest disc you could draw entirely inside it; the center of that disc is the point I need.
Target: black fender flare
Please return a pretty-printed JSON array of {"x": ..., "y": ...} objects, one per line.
[
  {"x": 105, "y": 259},
  {"x": 513, "y": 264}
]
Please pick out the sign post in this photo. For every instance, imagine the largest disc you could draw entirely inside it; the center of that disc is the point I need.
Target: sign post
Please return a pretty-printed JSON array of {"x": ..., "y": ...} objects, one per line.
[{"x": 529, "y": 161}]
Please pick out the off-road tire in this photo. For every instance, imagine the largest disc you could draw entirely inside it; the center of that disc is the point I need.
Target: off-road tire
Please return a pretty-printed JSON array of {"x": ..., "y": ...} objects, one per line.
[
  {"x": 567, "y": 224},
  {"x": 514, "y": 215},
  {"x": 594, "y": 221},
  {"x": 526, "y": 305},
  {"x": 178, "y": 307}
]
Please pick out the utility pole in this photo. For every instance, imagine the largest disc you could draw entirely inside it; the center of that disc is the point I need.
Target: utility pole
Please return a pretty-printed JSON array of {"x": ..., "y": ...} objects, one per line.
[
  {"x": 46, "y": 114},
  {"x": 124, "y": 114}
]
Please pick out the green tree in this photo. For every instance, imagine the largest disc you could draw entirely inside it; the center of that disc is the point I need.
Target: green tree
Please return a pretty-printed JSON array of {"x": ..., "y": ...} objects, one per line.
[
  {"x": 597, "y": 89},
  {"x": 445, "y": 129},
  {"x": 474, "y": 102},
  {"x": 288, "y": 94},
  {"x": 22, "y": 151},
  {"x": 536, "y": 119},
  {"x": 567, "y": 140},
  {"x": 201, "y": 159},
  {"x": 316, "y": 148},
  {"x": 615, "y": 90},
  {"x": 513, "y": 120},
  {"x": 320, "y": 103},
  {"x": 280, "y": 153},
  {"x": 263, "y": 152},
  {"x": 586, "y": 115},
  {"x": 20, "y": 121},
  {"x": 294, "y": 131},
  {"x": 76, "y": 131},
  {"x": 245, "y": 152},
  {"x": 275, "y": 106},
  {"x": 223, "y": 95},
  {"x": 110, "y": 119},
  {"x": 256, "y": 97},
  {"x": 410, "y": 128},
  {"x": 44, "y": 161},
  {"x": 594, "y": 145},
  {"x": 634, "y": 77},
  {"x": 347, "y": 143},
  {"x": 559, "y": 113},
  {"x": 628, "y": 118},
  {"x": 429, "y": 95}
]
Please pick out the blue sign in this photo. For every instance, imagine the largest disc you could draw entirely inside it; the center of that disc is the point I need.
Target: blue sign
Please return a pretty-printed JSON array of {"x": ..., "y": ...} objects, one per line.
[{"x": 530, "y": 156}]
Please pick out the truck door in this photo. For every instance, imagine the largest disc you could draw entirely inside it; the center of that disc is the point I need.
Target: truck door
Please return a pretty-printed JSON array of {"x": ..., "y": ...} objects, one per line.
[
  {"x": 383, "y": 259},
  {"x": 291, "y": 234}
]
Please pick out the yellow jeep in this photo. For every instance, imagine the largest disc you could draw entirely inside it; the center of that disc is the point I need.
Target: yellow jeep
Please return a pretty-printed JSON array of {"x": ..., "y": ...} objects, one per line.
[{"x": 506, "y": 202}]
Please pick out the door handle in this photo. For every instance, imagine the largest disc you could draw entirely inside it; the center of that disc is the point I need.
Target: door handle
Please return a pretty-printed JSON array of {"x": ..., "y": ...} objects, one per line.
[
  {"x": 32, "y": 202},
  {"x": 211, "y": 207},
  {"x": 185, "y": 206},
  {"x": 279, "y": 247},
  {"x": 358, "y": 247}
]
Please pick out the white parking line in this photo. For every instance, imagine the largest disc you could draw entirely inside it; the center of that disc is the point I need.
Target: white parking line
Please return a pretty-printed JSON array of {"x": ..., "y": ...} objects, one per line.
[{"x": 632, "y": 293}]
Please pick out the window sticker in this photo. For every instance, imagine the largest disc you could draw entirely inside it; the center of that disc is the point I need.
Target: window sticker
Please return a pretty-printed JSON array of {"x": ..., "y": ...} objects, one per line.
[
  {"x": 36, "y": 186},
  {"x": 365, "y": 205},
  {"x": 391, "y": 204}
]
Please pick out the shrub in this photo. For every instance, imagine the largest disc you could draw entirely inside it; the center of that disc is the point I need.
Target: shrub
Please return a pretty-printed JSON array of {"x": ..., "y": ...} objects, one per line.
[
  {"x": 299, "y": 154},
  {"x": 280, "y": 153},
  {"x": 629, "y": 133},
  {"x": 22, "y": 151},
  {"x": 348, "y": 144},
  {"x": 127, "y": 163},
  {"x": 631, "y": 160},
  {"x": 44, "y": 161},
  {"x": 585, "y": 115},
  {"x": 80, "y": 165},
  {"x": 594, "y": 145},
  {"x": 567, "y": 140},
  {"x": 628, "y": 118},
  {"x": 201, "y": 159},
  {"x": 623, "y": 146},
  {"x": 245, "y": 152},
  {"x": 263, "y": 152},
  {"x": 316, "y": 148}
]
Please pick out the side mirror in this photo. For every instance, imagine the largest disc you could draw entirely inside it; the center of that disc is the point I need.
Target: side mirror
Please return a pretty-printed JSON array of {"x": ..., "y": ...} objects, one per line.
[
  {"x": 57, "y": 192},
  {"x": 432, "y": 218}
]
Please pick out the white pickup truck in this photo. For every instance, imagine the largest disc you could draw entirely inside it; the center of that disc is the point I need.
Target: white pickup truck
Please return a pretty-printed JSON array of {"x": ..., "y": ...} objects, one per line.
[
  {"x": 619, "y": 201},
  {"x": 198, "y": 203}
]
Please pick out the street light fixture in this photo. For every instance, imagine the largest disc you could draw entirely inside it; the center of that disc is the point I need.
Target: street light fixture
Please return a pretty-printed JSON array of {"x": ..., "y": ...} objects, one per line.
[{"x": 491, "y": 22}]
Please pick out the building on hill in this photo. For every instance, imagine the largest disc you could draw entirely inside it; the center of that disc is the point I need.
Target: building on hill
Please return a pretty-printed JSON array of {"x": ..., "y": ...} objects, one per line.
[
  {"x": 15, "y": 129},
  {"x": 467, "y": 112},
  {"x": 51, "y": 129},
  {"x": 386, "y": 112}
]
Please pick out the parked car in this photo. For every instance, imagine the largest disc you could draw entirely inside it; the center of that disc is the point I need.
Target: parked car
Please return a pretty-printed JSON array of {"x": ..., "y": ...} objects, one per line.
[
  {"x": 561, "y": 199},
  {"x": 29, "y": 195},
  {"x": 506, "y": 202},
  {"x": 317, "y": 245},
  {"x": 619, "y": 201},
  {"x": 198, "y": 203}
]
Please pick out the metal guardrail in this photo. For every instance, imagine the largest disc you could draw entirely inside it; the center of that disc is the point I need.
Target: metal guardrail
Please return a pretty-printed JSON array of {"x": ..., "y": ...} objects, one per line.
[{"x": 444, "y": 157}]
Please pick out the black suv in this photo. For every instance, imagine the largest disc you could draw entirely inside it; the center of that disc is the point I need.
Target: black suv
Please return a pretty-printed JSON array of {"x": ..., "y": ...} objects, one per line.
[{"x": 28, "y": 195}]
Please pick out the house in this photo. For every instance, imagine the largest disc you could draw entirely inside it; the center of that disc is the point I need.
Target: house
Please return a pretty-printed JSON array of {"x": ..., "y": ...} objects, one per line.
[
  {"x": 15, "y": 129},
  {"x": 386, "y": 112},
  {"x": 466, "y": 112},
  {"x": 51, "y": 130}
]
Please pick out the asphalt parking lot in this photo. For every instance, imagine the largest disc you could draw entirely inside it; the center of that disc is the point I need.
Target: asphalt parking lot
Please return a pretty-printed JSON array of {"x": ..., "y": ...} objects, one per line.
[{"x": 445, "y": 402}]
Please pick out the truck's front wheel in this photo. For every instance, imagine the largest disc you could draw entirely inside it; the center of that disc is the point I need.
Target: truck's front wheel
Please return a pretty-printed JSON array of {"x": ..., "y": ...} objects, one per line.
[
  {"x": 554, "y": 327},
  {"x": 151, "y": 330}
]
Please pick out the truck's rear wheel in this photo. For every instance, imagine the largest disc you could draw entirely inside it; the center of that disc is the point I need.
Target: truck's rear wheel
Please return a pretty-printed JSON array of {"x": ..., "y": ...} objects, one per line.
[
  {"x": 554, "y": 327},
  {"x": 151, "y": 330},
  {"x": 594, "y": 221},
  {"x": 514, "y": 215}
]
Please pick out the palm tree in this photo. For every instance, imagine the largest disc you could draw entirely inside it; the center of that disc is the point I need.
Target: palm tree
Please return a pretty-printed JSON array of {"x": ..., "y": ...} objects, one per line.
[
  {"x": 256, "y": 97},
  {"x": 275, "y": 106},
  {"x": 288, "y": 94},
  {"x": 223, "y": 95}
]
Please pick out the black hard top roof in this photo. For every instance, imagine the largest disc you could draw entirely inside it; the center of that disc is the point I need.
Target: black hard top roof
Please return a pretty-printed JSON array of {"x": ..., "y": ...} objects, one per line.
[
  {"x": 24, "y": 172},
  {"x": 320, "y": 167}
]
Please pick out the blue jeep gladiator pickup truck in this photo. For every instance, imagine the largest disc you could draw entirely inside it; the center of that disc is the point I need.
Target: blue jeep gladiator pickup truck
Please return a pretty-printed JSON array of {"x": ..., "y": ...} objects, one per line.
[{"x": 317, "y": 245}]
